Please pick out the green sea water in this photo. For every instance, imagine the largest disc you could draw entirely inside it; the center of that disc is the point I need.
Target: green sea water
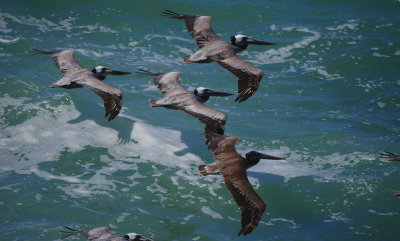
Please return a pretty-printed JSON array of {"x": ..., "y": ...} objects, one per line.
[{"x": 329, "y": 103}]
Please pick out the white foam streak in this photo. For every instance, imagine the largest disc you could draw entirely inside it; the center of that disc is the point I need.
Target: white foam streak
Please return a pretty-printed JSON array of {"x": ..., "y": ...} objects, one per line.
[
  {"x": 122, "y": 217},
  {"x": 282, "y": 54},
  {"x": 376, "y": 54},
  {"x": 351, "y": 26},
  {"x": 49, "y": 176},
  {"x": 154, "y": 57},
  {"x": 299, "y": 163},
  {"x": 91, "y": 53},
  {"x": 337, "y": 217},
  {"x": 44, "y": 25},
  {"x": 272, "y": 221},
  {"x": 26, "y": 146},
  {"x": 213, "y": 214},
  {"x": 167, "y": 37},
  {"x": 6, "y": 41},
  {"x": 383, "y": 214},
  {"x": 321, "y": 70}
]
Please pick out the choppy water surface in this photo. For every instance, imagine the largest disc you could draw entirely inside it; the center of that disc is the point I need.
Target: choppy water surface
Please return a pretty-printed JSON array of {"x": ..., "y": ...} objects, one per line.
[{"x": 329, "y": 102}]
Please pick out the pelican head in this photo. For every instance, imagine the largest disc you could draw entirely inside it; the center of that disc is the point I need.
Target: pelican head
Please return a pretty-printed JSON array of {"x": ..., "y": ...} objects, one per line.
[
  {"x": 135, "y": 237},
  {"x": 103, "y": 72},
  {"x": 253, "y": 157},
  {"x": 205, "y": 93},
  {"x": 243, "y": 41}
]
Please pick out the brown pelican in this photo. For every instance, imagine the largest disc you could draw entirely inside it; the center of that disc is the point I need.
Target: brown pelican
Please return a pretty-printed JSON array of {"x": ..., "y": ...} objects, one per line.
[
  {"x": 102, "y": 234},
  {"x": 233, "y": 168},
  {"x": 393, "y": 156},
  {"x": 213, "y": 49},
  {"x": 76, "y": 76},
  {"x": 177, "y": 97}
]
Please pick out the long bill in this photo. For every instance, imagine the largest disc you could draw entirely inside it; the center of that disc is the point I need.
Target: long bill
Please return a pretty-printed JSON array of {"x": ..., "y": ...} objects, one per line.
[
  {"x": 115, "y": 72},
  {"x": 258, "y": 42},
  {"x": 217, "y": 93},
  {"x": 265, "y": 156}
]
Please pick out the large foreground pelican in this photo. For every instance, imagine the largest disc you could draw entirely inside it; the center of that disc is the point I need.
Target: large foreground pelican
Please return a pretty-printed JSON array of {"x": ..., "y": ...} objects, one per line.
[{"x": 233, "y": 168}]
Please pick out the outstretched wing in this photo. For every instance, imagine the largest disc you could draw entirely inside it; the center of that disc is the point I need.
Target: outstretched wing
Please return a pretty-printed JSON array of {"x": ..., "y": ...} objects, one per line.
[
  {"x": 204, "y": 114},
  {"x": 249, "y": 76},
  {"x": 199, "y": 26},
  {"x": 167, "y": 83},
  {"x": 393, "y": 156},
  {"x": 101, "y": 233},
  {"x": 69, "y": 232},
  {"x": 213, "y": 130},
  {"x": 223, "y": 147},
  {"x": 111, "y": 96},
  {"x": 64, "y": 60},
  {"x": 249, "y": 202}
]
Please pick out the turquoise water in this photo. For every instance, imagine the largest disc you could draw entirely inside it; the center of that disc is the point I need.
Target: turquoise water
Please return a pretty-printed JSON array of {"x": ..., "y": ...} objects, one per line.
[{"x": 329, "y": 102}]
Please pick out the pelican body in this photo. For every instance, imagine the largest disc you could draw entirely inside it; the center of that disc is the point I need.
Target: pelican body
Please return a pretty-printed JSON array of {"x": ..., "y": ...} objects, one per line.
[
  {"x": 233, "y": 168},
  {"x": 102, "y": 234},
  {"x": 76, "y": 76},
  {"x": 213, "y": 49},
  {"x": 178, "y": 98}
]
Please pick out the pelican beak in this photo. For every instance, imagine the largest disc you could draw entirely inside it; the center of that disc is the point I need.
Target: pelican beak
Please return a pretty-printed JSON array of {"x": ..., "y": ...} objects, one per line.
[
  {"x": 211, "y": 92},
  {"x": 258, "y": 42},
  {"x": 265, "y": 156},
  {"x": 115, "y": 72},
  {"x": 140, "y": 238}
]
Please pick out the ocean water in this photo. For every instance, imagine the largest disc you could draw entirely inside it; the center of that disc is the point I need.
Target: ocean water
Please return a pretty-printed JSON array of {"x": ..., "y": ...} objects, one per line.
[{"x": 329, "y": 102}]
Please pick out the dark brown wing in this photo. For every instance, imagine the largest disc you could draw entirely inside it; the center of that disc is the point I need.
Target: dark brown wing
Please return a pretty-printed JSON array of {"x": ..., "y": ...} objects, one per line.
[
  {"x": 249, "y": 76},
  {"x": 167, "y": 83},
  {"x": 64, "y": 60},
  {"x": 205, "y": 114},
  {"x": 212, "y": 131},
  {"x": 393, "y": 156},
  {"x": 199, "y": 26},
  {"x": 111, "y": 96},
  {"x": 222, "y": 146},
  {"x": 249, "y": 202},
  {"x": 69, "y": 232}
]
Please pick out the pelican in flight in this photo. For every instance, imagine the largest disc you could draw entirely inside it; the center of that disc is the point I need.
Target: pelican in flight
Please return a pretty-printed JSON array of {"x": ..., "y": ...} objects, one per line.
[
  {"x": 177, "y": 97},
  {"x": 76, "y": 76},
  {"x": 233, "y": 168},
  {"x": 213, "y": 49},
  {"x": 102, "y": 234},
  {"x": 394, "y": 158}
]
